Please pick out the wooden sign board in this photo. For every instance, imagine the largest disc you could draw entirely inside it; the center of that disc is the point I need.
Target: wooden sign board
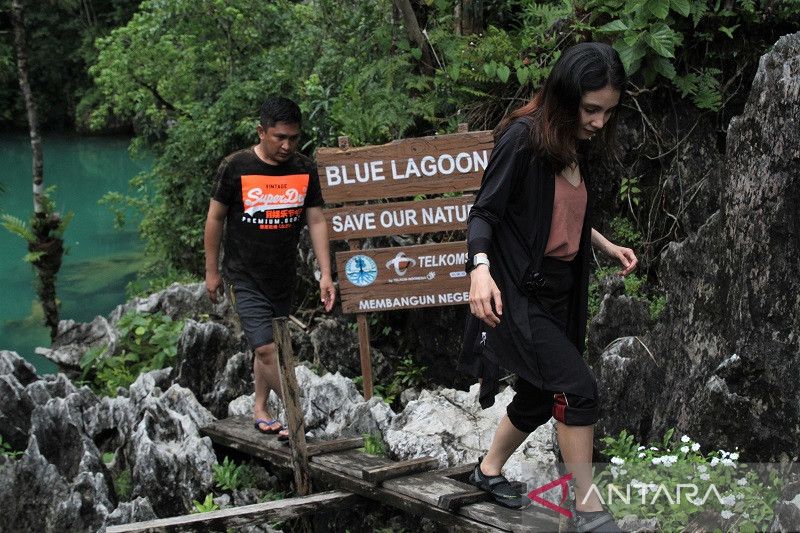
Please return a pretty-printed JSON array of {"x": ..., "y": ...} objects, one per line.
[
  {"x": 420, "y": 216},
  {"x": 422, "y": 165},
  {"x": 404, "y": 277}
]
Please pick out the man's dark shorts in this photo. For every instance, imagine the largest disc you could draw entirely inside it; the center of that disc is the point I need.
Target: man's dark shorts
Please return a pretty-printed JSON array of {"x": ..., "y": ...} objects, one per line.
[{"x": 256, "y": 311}]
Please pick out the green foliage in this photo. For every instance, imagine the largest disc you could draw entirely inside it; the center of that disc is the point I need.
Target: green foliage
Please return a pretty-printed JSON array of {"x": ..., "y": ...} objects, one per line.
[
  {"x": 747, "y": 496},
  {"x": 192, "y": 88},
  {"x": 229, "y": 476},
  {"x": 624, "y": 233},
  {"x": 123, "y": 484},
  {"x": 38, "y": 225},
  {"x": 7, "y": 451},
  {"x": 657, "y": 306},
  {"x": 146, "y": 342},
  {"x": 406, "y": 375},
  {"x": 373, "y": 444},
  {"x": 633, "y": 285},
  {"x": 273, "y": 495},
  {"x": 206, "y": 506},
  {"x": 596, "y": 288}
]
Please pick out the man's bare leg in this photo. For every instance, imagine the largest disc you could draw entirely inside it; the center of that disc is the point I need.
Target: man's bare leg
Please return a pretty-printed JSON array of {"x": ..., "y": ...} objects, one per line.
[
  {"x": 267, "y": 378},
  {"x": 576, "y": 449},
  {"x": 506, "y": 439}
]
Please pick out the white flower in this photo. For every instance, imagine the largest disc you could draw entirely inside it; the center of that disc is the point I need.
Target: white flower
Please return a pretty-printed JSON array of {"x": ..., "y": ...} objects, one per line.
[
  {"x": 684, "y": 449},
  {"x": 723, "y": 453},
  {"x": 656, "y": 460},
  {"x": 734, "y": 456},
  {"x": 728, "y": 462},
  {"x": 741, "y": 482},
  {"x": 695, "y": 447},
  {"x": 623, "y": 472},
  {"x": 740, "y": 496},
  {"x": 641, "y": 454},
  {"x": 618, "y": 461},
  {"x": 702, "y": 468},
  {"x": 714, "y": 461},
  {"x": 685, "y": 438},
  {"x": 728, "y": 500},
  {"x": 669, "y": 460},
  {"x": 726, "y": 514},
  {"x": 641, "y": 448},
  {"x": 653, "y": 448},
  {"x": 705, "y": 477}
]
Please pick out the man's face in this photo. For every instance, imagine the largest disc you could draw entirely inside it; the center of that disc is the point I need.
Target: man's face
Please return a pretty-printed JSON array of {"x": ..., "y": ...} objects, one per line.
[{"x": 278, "y": 142}]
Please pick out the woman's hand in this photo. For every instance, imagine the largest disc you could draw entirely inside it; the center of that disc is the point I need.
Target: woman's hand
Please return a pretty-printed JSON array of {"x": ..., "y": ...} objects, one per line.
[
  {"x": 483, "y": 292},
  {"x": 625, "y": 256}
]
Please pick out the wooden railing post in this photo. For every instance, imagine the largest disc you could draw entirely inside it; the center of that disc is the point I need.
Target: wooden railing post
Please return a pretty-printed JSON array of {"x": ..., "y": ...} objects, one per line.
[{"x": 294, "y": 411}]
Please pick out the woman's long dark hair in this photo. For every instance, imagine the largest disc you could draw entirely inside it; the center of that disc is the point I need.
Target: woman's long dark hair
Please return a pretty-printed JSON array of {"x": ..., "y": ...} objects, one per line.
[{"x": 554, "y": 110}]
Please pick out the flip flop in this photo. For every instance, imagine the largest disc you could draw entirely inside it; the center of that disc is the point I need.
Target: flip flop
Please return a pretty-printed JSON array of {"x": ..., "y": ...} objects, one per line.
[{"x": 269, "y": 430}]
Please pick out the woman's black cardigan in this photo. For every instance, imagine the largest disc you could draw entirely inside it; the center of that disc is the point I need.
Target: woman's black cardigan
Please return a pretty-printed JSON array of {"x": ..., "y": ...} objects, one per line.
[{"x": 510, "y": 221}]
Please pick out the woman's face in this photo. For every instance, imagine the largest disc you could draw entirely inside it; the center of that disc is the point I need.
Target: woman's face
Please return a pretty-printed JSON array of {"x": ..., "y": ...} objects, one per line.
[{"x": 595, "y": 110}]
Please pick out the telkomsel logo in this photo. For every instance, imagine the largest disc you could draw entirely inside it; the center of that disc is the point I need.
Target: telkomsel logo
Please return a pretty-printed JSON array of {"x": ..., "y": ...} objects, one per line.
[{"x": 401, "y": 263}]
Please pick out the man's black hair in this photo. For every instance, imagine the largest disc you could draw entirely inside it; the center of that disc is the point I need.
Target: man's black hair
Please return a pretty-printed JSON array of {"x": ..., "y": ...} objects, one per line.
[{"x": 279, "y": 109}]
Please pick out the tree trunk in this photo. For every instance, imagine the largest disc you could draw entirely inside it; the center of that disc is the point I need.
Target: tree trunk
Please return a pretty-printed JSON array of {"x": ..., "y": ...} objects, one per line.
[
  {"x": 416, "y": 36},
  {"x": 468, "y": 17},
  {"x": 49, "y": 248}
]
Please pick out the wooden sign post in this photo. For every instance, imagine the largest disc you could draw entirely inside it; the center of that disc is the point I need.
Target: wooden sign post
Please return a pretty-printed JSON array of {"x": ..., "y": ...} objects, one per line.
[
  {"x": 401, "y": 277},
  {"x": 294, "y": 412}
]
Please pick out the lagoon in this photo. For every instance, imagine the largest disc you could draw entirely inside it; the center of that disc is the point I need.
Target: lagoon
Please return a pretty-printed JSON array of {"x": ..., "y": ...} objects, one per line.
[{"x": 100, "y": 259}]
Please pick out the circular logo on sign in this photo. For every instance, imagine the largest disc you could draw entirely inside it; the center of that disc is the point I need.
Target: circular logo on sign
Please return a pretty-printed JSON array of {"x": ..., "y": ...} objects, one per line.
[{"x": 361, "y": 270}]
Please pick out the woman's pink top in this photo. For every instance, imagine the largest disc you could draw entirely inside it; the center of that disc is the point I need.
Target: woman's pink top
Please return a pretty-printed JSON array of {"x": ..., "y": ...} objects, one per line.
[{"x": 569, "y": 208}]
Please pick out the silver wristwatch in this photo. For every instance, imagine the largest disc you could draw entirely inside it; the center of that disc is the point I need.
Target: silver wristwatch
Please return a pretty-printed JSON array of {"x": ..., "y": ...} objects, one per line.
[{"x": 480, "y": 259}]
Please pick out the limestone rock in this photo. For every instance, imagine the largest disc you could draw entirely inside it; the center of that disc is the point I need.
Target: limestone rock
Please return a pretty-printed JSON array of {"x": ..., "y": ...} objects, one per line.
[
  {"x": 331, "y": 404},
  {"x": 787, "y": 509},
  {"x": 12, "y": 363},
  {"x": 203, "y": 355},
  {"x": 74, "y": 338},
  {"x": 619, "y": 316},
  {"x": 625, "y": 373},
  {"x": 728, "y": 338},
  {"x": 138, "y": 510},
  {"x": 451, "y": 426}
]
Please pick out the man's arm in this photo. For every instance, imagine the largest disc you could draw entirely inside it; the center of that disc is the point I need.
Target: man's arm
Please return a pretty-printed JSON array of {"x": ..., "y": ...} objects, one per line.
[
  {"x": 215, "y": 220},
  {"x": 318, "y": 230}
]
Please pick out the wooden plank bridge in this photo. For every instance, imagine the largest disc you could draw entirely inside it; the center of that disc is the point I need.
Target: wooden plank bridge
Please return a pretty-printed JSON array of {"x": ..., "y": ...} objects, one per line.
[{"x": 351, "y": 477}]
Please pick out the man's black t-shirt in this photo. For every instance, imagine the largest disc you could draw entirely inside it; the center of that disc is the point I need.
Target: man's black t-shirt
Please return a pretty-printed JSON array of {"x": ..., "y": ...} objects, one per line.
[{"x": 266, "y": 211}]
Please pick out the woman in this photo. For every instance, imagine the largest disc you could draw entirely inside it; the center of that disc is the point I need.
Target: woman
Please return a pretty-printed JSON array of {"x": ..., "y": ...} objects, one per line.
[{"x": 529, "y": 238}]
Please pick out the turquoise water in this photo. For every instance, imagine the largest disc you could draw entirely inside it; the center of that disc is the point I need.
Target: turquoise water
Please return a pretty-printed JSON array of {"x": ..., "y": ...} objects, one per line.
[{"x": 100, "y": 259}]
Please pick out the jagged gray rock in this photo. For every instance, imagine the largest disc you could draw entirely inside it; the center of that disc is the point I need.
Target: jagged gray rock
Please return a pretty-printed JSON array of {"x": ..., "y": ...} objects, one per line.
[
  {"x": 138, "y": 510},
  {"x": 12, "y": 363},
  {"x": 729, "y": 336},
  {"x": 619, "y": 316},
  {"x": 202, "y": 364},
  {"x": 335, "y": 348},
  {"x": 451, "y": 426},
  {"x": 331, "y": 404},
  {"x": 625, "y": 372}
]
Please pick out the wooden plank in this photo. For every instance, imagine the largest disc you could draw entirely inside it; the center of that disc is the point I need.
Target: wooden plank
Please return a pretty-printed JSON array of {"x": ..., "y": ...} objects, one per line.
[
  {"x": 423, "y": 165},
  {"x": 331, "y": 476},
  {"x": 336, "y": 445},
  {"x": 258, "y": 513},
  {"x": 400, "y": 468},
  {"x": 238, "y": 433},
  {"x": 421, "y": 216},
  {"x": 294, "y": 411},
  {"x": 452, "y": 502},
  {"x": 404, "y": 277},
  {"x": 351, "y": 462},
  {"x": 430, "y": 486}
]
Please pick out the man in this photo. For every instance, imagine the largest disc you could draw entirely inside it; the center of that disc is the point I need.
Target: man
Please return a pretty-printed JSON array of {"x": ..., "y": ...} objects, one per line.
[{"x": 265, "y": 193}]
